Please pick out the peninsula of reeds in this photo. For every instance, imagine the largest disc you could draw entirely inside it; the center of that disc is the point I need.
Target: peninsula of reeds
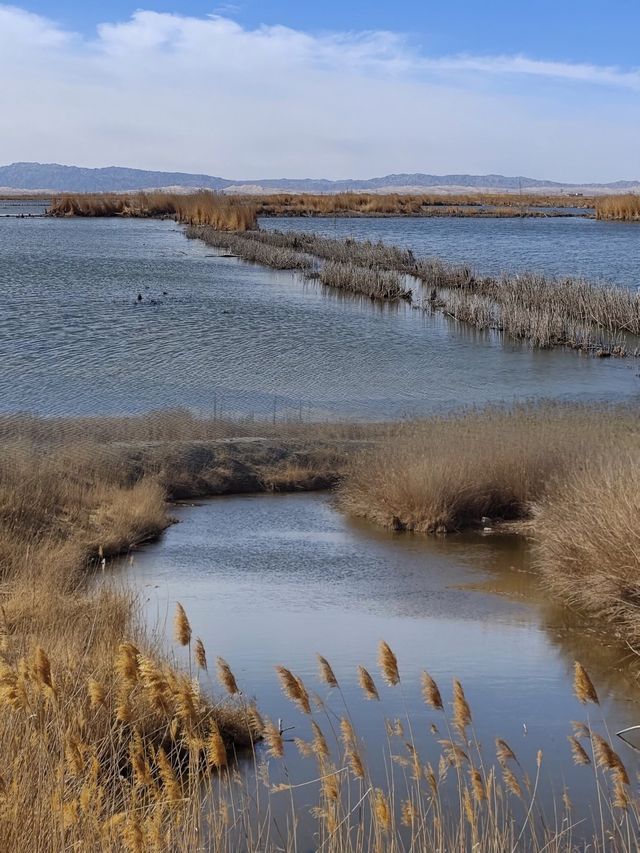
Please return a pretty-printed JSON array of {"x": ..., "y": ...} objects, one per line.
[
  {"x": 625, "y": 208},
  {"x": 419, "y": 204},
  {"x": 226, "y": 213}
]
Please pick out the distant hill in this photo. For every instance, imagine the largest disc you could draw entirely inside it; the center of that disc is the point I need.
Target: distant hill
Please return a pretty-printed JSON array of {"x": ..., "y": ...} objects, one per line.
[{"x": 52, "y": 177}]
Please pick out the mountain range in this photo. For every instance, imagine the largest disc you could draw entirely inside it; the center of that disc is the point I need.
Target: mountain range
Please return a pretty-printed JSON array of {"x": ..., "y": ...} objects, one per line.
[{"x": 53, "y": 177}]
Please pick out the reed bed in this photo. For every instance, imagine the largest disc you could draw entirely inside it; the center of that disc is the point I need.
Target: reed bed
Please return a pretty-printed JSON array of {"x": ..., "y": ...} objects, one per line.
[
  {"x": 87, "y": 700},
  {"x": 443, "y": 474},
  {"x": 225, "y": 213},
  {"x": 620, "y": 207},
  {"x": 374, "y": 283},
  {"x": 311, "y": 782},
  {"x": 587, "y": 539},
  {"x": 545, "y": 312},
  {"x": 251, "y": 249},
  {"x": 414, "y": 204}
]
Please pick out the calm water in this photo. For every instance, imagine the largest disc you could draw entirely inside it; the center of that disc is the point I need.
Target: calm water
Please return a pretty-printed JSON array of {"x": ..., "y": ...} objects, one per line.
[
  {"x": 213, "y": 332},
  {"x": 276, "y": 579}
]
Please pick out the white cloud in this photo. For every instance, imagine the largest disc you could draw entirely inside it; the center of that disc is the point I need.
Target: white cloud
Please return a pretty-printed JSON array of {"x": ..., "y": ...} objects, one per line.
[{"x": 203, "y": 94}]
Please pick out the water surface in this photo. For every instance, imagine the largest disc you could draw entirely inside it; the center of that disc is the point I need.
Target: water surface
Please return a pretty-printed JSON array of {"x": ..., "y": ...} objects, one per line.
[
  {"x": 273, "y": 580},
  {"x": 566, "y": 246},
  {"x": 215, "y": 333}
]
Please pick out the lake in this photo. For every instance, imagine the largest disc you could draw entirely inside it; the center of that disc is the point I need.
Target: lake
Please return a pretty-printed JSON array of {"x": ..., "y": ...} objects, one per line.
[{"x": 217, "y": 334}]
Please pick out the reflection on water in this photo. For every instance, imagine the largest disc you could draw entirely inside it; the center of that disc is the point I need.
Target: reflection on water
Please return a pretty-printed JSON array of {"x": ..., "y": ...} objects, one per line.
[
  {"x": 276, "y": 579},
  {"x": 216, "y": 333}
]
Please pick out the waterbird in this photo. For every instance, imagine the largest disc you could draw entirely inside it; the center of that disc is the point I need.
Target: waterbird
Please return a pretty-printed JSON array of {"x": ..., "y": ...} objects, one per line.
[{"x": 139, "y": 297}]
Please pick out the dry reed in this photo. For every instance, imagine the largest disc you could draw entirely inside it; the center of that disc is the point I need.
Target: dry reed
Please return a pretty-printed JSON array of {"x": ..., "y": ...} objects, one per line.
[
  {"x": 442, "y": 474},
  {"x": 225, "y": 213},
  {"x": 586, "y": 536},
  {"x": 620, "y": 207},
  {"x": 414, "y": 204}
]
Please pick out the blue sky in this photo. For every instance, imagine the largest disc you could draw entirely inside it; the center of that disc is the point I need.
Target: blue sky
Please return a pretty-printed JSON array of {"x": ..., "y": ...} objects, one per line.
[
  {"x": 325, "y": 89},
  {"x": 573, "y": 30}
]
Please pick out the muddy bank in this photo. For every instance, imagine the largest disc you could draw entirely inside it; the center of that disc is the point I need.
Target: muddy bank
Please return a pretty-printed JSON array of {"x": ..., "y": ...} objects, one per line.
[{"x": 196, "y": 469}]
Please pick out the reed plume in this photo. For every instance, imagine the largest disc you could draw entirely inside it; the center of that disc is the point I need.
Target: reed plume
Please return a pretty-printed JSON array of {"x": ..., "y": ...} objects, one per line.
[
  {"x": 608, "y": 759},
  {"x": 200, "y": 654},
  {"x": 388, "y": 664},
  {"x": 294, "y": 689},
  {"x": 42, "y": 668},
  {"x": 580, "y": 755},
  {"x": 127, "y": 663},
  {"x": 461, "y": 710},
  {"x": 382, "y": 810},
  {"x": 216, "y": 750},
  {"x": 320, "y": 746},
  {"x": 326, "y": 672},
  {"x": 181, "y": 626},
  {"x": 226, "y": 676},
  {"x": 583, "y": 686},
  {"x": 504, "y": 752},
  {"x": 511, "y": 781},
  {"x": 367, "y": 684},
  {"x": 273, "y": 739},
  {"x": 431, "y": 692},
  {"x": 477, "y": 785},
  {"x": 97, "y": 693}
]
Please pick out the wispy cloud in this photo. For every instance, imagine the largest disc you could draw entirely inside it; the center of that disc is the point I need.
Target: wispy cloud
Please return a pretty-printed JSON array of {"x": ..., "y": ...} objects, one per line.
[{"x": 172, "y": 91}]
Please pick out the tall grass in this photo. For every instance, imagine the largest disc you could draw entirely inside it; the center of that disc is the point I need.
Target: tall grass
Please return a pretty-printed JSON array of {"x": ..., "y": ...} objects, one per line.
[
  {"x": 587, "y": 537},
  {"x": 413, "y": 204},
  {"x": 374, "y": 283},
  {"x": 545, "y": 311},
  {"x": 623, "y": 207},
  {"x": 569, "y": 474},
  {"x": 225, "y": 213},
  {"x": 108, "y": 746},
  {"x": 443, "y": 474}
]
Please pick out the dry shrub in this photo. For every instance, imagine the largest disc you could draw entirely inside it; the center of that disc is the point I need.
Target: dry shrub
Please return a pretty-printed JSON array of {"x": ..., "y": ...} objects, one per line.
[
  {"x": 225, "y": 213},
  {"x": 587, "y": 538},
  {"x": 624, "y": 207},
  {"x": 445, "y": 473}
]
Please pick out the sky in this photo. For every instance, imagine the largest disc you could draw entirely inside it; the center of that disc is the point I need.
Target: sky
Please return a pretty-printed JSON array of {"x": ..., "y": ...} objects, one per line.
[{"x": 258, "y": 89}]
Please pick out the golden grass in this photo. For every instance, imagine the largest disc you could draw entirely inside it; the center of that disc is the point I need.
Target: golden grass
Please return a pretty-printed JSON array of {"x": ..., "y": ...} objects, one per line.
[
  {"x": 622, "y": 207},
  {"x": 587, "y": 537},
  {"x": 443, "y": 474},
  {"x": 411, "y": 204},
  {"x": 107, "y": 746},
  {"x": 103, "y": 741},
  {"x": 94, "y": 723},
  {"x": 225, "y": 213}
]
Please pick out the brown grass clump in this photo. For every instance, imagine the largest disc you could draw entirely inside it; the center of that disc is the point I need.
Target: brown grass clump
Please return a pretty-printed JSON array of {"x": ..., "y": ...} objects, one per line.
[
  {"x": 225, "y": 213},
  {"x": 621, "y": 207},
  {"x": 587, "y": 539},
  {"x": 443, "y": 474}
]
